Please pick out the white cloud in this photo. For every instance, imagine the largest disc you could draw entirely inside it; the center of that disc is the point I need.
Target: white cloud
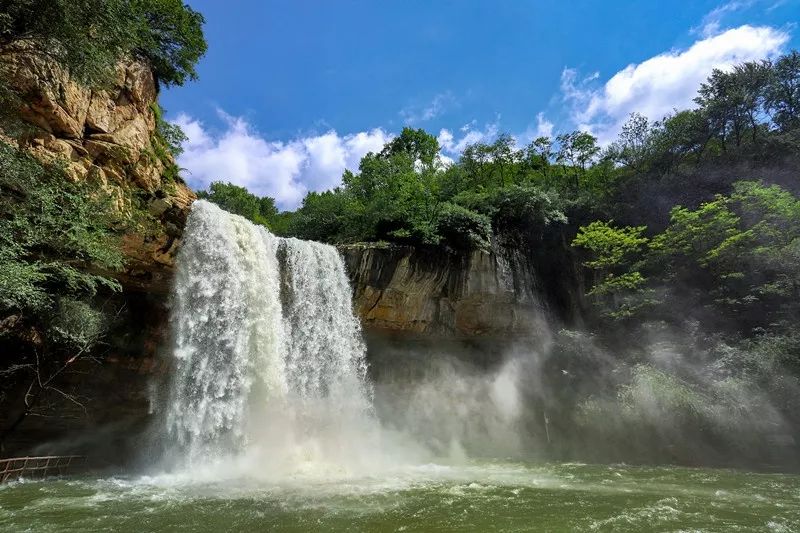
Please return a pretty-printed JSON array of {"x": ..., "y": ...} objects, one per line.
[
  {"x": 284, "y": 170},
  {"x": 469, "y": 135},
  {"x": 415, "y": 114},
  {"x": 542, "y": 128},
  {"x": 712, "y": 22},
  {"x": 662, "y": 83}
]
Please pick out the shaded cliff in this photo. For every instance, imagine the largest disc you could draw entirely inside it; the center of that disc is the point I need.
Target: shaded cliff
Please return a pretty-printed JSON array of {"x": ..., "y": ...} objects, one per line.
[{"x": 516, "y": 289}]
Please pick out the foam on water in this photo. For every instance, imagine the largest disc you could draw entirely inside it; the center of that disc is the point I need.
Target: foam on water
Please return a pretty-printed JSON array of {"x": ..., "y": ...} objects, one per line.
[{"x": 467, "y": 497}]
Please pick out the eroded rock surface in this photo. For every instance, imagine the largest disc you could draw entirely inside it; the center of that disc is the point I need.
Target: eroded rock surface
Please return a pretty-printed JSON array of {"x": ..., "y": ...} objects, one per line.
[
  {"x": 437, "y": 293},
  {"x": 105, "y": 135}
]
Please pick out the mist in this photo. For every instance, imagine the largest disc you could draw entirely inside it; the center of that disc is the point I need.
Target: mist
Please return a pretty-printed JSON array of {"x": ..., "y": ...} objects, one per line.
[{"x": 668, "y": 398}]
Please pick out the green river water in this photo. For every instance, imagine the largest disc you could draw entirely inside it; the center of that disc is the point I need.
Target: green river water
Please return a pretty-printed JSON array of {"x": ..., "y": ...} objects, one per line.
[{"x": 488, "y": 496}]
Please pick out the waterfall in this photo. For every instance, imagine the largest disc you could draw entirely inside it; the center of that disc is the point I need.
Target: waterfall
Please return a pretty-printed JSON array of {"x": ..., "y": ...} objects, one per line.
[{"x": 268, "y": 355}]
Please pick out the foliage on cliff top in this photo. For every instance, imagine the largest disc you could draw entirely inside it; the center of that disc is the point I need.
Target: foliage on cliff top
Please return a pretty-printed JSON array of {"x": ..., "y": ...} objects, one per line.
[
  {"x": 89, "y": 37},
  {"x": 239, "y": 201}
]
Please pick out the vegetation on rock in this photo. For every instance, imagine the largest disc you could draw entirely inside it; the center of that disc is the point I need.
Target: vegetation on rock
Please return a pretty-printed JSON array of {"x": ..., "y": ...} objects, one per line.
[
  {"x": 90, "y": 37},
  {"x": 58, "y": 253},
  {"x": 75, "y": 86}
]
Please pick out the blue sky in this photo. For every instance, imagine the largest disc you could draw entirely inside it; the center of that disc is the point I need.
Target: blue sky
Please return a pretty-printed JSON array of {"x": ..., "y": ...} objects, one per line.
[{"x": 292, "y": 92}]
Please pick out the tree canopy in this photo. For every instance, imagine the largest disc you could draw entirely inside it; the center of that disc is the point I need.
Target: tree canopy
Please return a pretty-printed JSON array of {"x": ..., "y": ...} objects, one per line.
[{"x": 89, "y": 37}]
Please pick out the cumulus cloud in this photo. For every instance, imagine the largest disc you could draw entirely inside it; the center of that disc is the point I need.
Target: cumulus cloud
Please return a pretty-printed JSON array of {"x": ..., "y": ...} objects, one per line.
[
  {"x": 284, "y": 170},
  {"x": 657, "y": 85},
  {"x": 542, "y": 128}
]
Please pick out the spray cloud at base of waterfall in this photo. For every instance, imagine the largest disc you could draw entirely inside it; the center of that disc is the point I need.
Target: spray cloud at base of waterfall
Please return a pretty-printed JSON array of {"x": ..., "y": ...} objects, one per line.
[{"x": 270, "y": 369}]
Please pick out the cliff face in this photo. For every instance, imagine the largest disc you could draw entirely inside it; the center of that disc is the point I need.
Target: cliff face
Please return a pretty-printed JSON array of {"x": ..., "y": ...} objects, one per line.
[
  {"x": 107, "y": 137},
  {"x": 104, "y": 135},
  {"x": 435, "y": 293}
]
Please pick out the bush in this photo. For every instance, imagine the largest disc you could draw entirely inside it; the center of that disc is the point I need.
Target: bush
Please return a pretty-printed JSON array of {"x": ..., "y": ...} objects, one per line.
[
  {"x": 55, "y": 235},
  {"x": 516, "y": 206},
  {"x": 461, "y": 228}
]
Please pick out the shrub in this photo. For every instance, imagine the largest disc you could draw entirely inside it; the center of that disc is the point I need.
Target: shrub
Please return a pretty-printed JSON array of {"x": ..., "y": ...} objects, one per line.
[{"x": 462, "y": 228}]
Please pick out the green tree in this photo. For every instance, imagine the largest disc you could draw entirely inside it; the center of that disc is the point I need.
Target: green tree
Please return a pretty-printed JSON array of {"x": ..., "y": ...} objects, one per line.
[
  {"x": 681, "y": 136},
  {"x": 616, "y": 256},
  {"x": 783, "y": 91},
  {"x": 417, "y": 144},
  {"x": 576, "y": 149},
  {"x": 331, "y": 216},
  {"x": 732, "y": 101},
  {"x": 538, "y": 155},
  {"x": 238, "y": 200},
  {"x": 634, "y": 145},
  {"x": 89, "y": 37}
]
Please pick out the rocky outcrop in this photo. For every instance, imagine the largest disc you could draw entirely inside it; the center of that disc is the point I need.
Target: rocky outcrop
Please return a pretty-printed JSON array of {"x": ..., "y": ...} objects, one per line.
[
  {"x": 432, "y": 292},
  {"x": 105, "y": 135},
  {"x": 103, "y": 132}
]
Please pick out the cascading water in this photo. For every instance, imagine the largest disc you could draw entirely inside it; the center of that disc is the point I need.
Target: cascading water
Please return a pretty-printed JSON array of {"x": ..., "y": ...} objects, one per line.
[
  {"x": 324, "y": 350},
  {"x": 269, "y": 361}
]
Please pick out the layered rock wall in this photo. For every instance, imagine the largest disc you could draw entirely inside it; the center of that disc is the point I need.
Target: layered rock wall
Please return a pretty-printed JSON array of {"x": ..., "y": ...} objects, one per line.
[
  {"x": 436, "y": 293},
  {"x": 107, "y": 137}
]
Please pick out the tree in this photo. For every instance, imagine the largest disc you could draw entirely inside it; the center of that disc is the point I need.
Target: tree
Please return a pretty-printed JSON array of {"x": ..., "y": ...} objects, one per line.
[
  {"x": 476, "y": 160},
  {"x": 418, "y": 144},
  {"x": 503, "y": 157},
  {"x": 752, "y": 79},
  {"x": 238, "y": 200},
  {"x": 634, "y": 145},
  {"x": 679, "y": 136},
  {"x": 719, "y": 99},
  {"x": 783, "y": 91},
  {"x": 732, "y": 101},
  {"x": 615, "y": 254},
  {"x": 539, "y": 153},
  {"x": 89, "y": 37},
  {"x": 577, "y": 149},
  {"x": 331, "y": 216}
]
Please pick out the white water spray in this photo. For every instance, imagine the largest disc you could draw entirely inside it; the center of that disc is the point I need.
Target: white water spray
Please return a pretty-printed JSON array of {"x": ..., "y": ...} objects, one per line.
[{"x": 270, "y": 365}]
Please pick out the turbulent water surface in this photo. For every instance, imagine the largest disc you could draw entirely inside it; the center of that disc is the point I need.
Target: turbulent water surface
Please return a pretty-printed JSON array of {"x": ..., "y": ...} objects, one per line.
[{"x": 470, "y": 497}]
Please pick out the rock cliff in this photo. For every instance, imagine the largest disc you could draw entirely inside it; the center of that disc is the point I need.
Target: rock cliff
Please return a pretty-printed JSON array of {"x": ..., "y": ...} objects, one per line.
[
  {"x": 105, "y": 135},
  {"x": 436, "y": 293}
]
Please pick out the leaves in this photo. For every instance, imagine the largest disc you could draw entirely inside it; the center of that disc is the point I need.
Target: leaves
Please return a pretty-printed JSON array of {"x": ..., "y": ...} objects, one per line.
[
  {"x": 611, "y": 246},
  {"x": 736, "y": 252},
  {"x": 53, "y": 232},
  {"x": 89, "y": 37}
]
